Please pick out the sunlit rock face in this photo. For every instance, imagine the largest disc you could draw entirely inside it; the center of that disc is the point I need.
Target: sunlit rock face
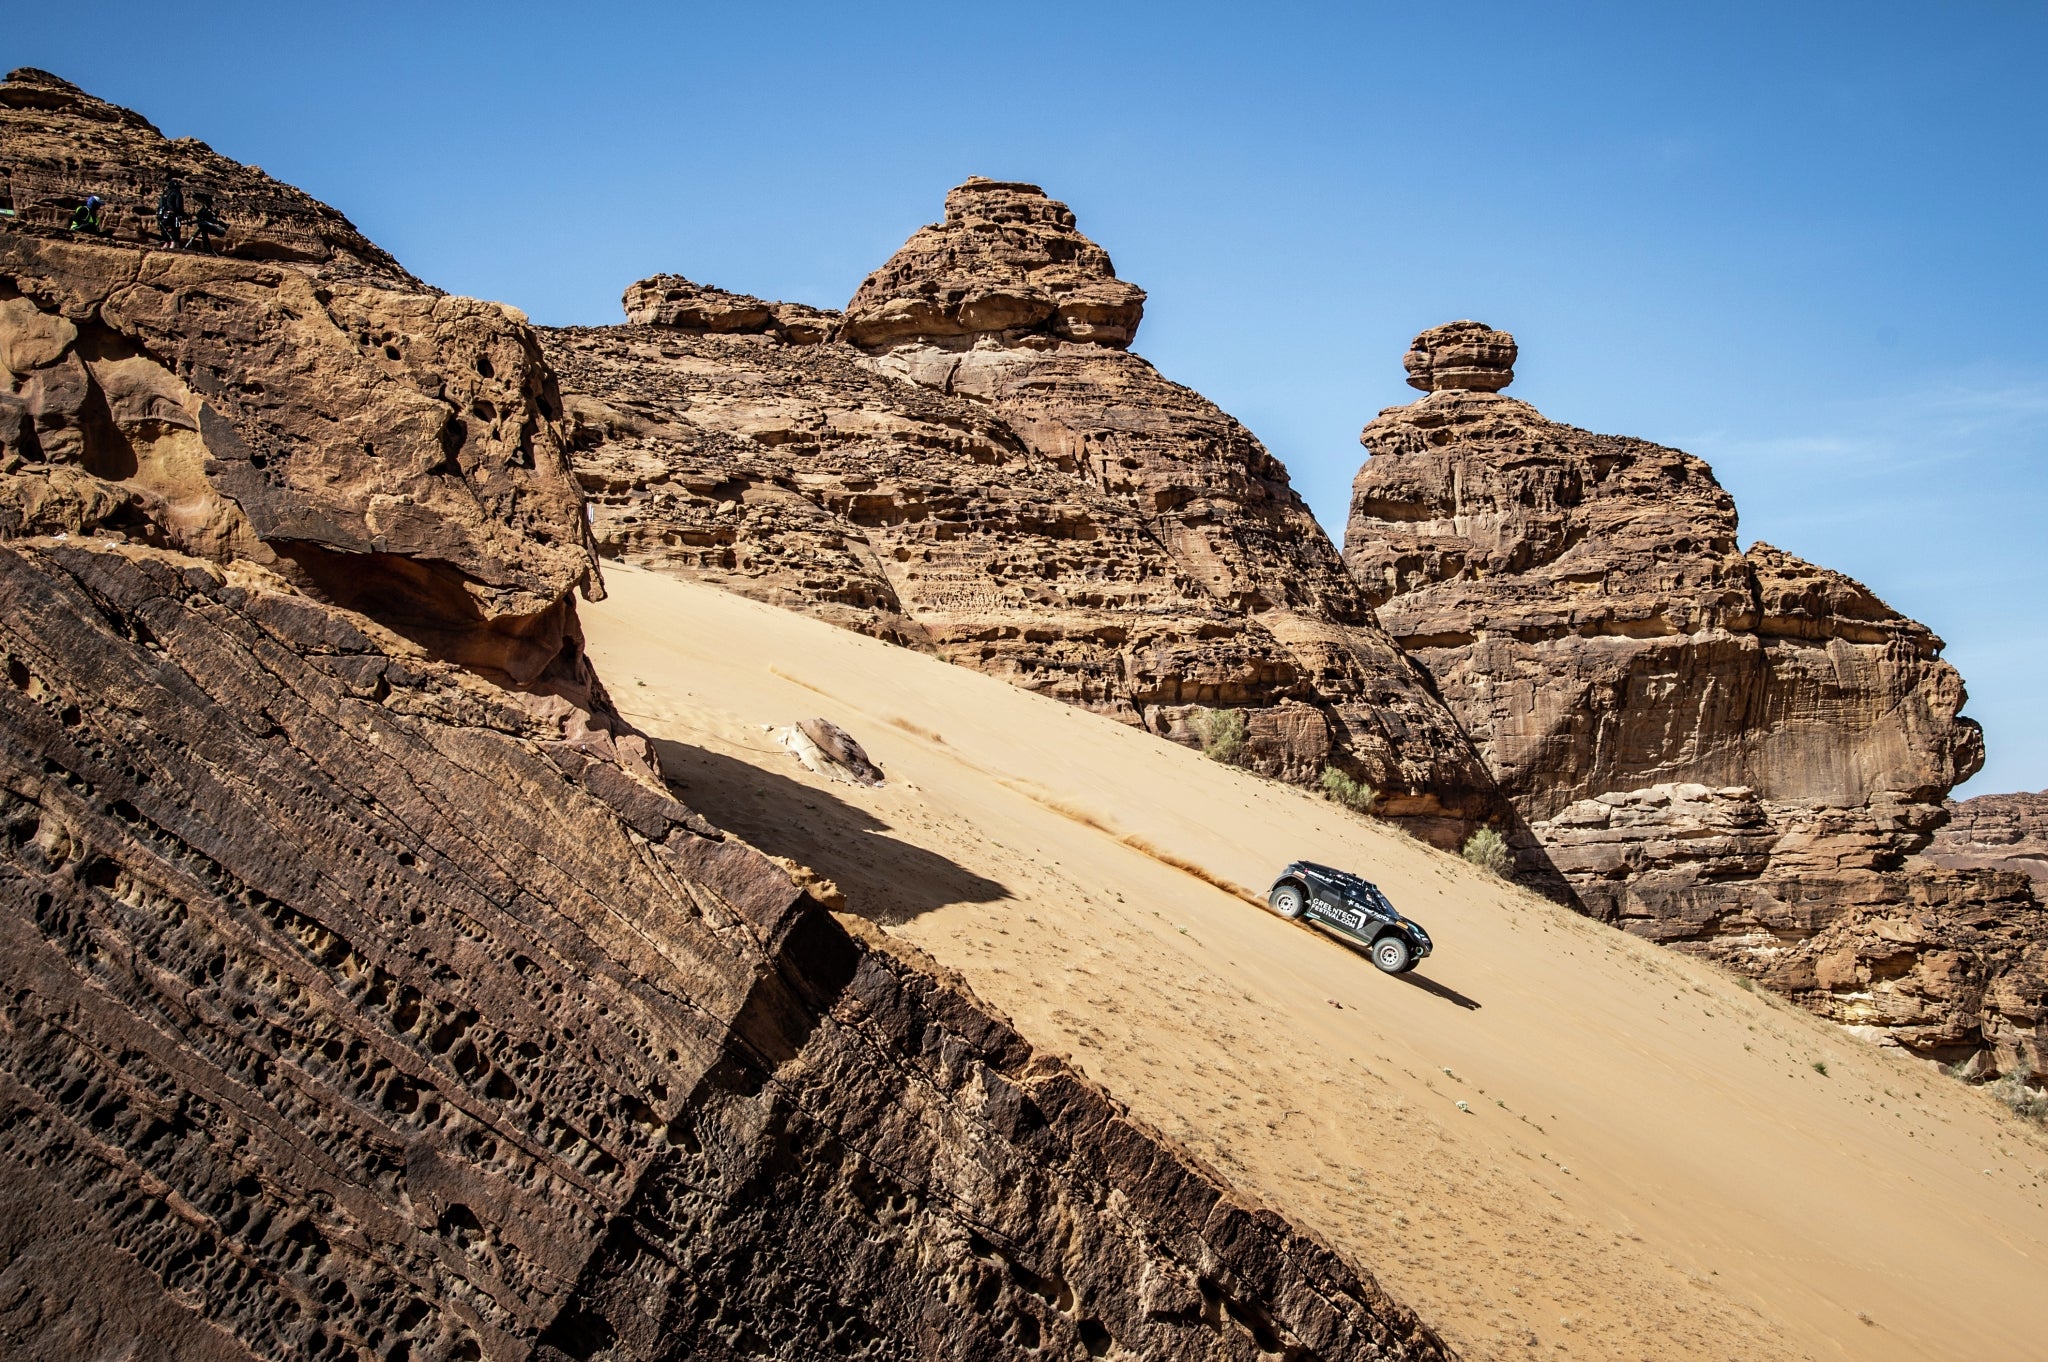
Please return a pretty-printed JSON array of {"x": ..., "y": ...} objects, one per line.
[
  {"x": 1006, "y": 263},
  {"x": 2002, "y": 831},
  {"x": 1729, "y": 750},
  {"x": 368, "y": 993},
  {"x": 969, "y": 461}
]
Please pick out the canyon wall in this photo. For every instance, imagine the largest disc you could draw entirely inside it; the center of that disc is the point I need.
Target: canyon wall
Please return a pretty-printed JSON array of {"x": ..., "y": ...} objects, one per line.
[
  {"x": 367, "y": 993},
  {"x": 1735, "y": 752}
]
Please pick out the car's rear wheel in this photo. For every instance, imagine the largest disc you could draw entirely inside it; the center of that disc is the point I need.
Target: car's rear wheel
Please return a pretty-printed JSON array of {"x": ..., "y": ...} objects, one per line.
[
  {"x": 1390, "y": 953},
  {"x": 1288, "y": 901}
]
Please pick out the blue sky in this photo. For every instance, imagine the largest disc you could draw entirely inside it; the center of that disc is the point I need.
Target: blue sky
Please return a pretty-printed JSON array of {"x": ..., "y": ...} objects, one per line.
[{"x": 1801, "y": 241}]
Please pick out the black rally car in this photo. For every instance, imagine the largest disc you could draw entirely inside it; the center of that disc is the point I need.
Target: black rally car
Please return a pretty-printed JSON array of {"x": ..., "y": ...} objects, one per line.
[{"x": 1353, "y": 907}]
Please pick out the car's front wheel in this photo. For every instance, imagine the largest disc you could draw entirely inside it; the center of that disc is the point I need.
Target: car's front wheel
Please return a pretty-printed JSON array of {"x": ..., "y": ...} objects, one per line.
[
  {"x": 1288, "y": 901},
  {"x": 1390, "y": 953}
]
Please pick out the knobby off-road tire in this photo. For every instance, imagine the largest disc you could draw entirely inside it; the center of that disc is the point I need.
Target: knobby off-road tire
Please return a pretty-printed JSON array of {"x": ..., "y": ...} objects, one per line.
[
  {"x": 1289, "y": 902},
  {"x": 1390, "y": 953}
]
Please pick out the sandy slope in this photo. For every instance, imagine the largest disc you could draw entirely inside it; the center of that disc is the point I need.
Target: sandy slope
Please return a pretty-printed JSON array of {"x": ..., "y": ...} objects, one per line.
[{"x": 1651, "y": 1165}]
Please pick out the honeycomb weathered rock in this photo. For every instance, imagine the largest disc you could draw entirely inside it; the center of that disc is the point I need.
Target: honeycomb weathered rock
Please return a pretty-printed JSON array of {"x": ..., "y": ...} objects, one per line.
[{"x": 1736, "y": 753}]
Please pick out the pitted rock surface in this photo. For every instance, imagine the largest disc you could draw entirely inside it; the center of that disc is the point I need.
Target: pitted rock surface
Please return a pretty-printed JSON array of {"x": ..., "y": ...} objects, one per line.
[
  {"x": 58, "y": 144},
  {"x": 360, "y": 997},
  {"x": 1049, "y": 511},
  {"x": 1735, "y": 753},
  {"x": 1007, "y": 262},
  {"x": 356, "y": 1008},
  {"x": 2005, "y": 832}
]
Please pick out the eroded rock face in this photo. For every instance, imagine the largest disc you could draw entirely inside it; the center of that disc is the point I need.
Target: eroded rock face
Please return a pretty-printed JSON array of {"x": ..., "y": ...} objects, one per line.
[
  {"x": 58, "y": 144},
  {"x": 364, "y": 993},
  {"x": 1044, "y": 508},
  {"x": 1008, "y": 263},
  {"x": 357, "y": 1008},
  {"x": 383, "y": 445},
  {"x": 673, "y": 301},
  {"x": 1461, "y": 356},
  {"x": 1737, "y": 753},
  {"x": 2005, "y": 832}
]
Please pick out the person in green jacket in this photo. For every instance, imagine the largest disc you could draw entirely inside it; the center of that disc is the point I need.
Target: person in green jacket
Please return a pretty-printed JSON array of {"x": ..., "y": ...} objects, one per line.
[{"x": 86, "y": 217}]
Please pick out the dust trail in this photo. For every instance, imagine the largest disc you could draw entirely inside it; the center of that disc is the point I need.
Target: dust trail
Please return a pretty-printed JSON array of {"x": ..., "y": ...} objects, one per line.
[
  {"x": 777, "y": 671},
  {"x": 1134, "y": 842},
  {"x": 914, "y": 730}
]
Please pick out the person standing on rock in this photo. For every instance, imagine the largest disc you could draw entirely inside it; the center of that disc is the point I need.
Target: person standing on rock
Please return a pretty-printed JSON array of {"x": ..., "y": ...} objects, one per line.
[
  {"x": 205, "y": 226},
  {"x": 170, "y": 211},
  {"x": 86, "y": 217}
]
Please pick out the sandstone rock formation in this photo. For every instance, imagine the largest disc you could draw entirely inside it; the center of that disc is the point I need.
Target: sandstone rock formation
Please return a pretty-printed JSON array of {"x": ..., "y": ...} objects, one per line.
[
  {"x": 1736, "y": 753},
  {"x": 2004, "y": 832},
  {"x": 62, "y": 144},
  {"x": 167, "y": 396},
  {"x": 671, "y": 300},
  {"x": 1461, "y": 357},
  {"x": 354, "y": 1009},
  {"x": 1007, "y": 263},
  {"x": 977, "y": 467},
  {"x": 364, "y": 992}
]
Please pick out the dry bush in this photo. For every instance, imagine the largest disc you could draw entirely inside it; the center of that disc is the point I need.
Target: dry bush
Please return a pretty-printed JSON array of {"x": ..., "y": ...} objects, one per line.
[
  {"x": 1222, "y": 732},
  {"x": 1488, "y": 850},
  {"x": 1355, "y": 795},
  {"x": 2025, "y": 1102}
]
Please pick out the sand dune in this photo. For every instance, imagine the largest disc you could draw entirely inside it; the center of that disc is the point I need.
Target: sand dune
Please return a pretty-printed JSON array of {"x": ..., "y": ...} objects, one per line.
[{"x": 1553, "y": 1140}]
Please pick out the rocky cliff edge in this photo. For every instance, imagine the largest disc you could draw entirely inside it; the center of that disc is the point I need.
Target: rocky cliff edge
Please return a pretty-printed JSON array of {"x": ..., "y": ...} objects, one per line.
[{"x": 367, "y": 992}]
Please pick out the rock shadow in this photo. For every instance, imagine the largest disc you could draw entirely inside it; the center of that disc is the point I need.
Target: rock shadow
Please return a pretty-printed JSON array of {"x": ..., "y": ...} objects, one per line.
[{"x": 885, "y": 879}]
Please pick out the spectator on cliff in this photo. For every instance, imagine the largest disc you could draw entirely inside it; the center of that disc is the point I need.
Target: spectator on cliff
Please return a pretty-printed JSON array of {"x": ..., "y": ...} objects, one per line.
[
  {"x": 86, "y": 217},
  {"x": 170, "y": 212},
  {"x": 205, "y": 226}
]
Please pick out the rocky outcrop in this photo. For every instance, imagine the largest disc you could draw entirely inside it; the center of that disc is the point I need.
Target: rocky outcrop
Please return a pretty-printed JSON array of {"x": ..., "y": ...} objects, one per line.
[
  {"x": 2002, "y": 832},
  {"x": 1008, "y": 264},
  {"x": 671, "y": 300},
  {"x": 977, "y": 467},
  {"x": 356, "y": 1008},
  {"x": 1461, "y": 357},
  {"x": 364, "y": 992},
  {"x": 1738, "y": 753},
  {"x": 377, "y": 443},
  {"x": 425, "y": 477},
  {"x": 59, "y": 144}
]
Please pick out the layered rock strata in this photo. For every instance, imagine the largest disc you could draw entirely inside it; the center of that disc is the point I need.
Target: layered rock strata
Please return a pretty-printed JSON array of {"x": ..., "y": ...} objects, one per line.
[
  {"x": 2003, "y": 832},
  {"x": 978, "y": 467},
  {"x": 1734, "y": 752},
  {"x": 364, "y": 992},
  {"x": 356, "y": 1009}
]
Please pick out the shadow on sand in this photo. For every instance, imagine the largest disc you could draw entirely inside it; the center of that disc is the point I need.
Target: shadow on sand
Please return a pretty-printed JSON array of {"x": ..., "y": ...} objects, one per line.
[
  {"x": 1448, "y": 994},
  {"x": 884, "y": 879}
]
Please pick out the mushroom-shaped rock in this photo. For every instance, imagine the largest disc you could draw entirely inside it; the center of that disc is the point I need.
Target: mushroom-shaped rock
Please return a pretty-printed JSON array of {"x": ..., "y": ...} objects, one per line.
[
  {"x": 1007, "y": 263},
  {"x": 1471, "y": 356}
]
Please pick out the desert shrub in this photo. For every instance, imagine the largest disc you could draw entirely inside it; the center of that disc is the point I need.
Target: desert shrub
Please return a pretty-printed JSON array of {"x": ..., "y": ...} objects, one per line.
[
  {"x": 1339, "y": 788},
  {"x": 1222, "y": 732},
  {"x": 1488, "y": 850},
  {"x": 2024, "y": 1101}
]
